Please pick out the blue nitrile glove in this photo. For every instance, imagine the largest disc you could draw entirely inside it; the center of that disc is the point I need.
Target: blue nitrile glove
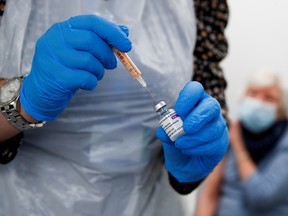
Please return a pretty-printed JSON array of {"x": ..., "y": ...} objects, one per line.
[
  {"x": 194, "y": 155},
  {"x": 71, "y": 55}
]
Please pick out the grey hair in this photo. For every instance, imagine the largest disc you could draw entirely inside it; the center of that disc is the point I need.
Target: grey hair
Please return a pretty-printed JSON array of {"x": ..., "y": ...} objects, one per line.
[{"x": 265, "y": 78}]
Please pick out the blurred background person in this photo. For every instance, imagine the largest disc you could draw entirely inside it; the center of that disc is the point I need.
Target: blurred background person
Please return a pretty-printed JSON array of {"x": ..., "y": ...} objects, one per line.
[{"x": 253, "y": 178}]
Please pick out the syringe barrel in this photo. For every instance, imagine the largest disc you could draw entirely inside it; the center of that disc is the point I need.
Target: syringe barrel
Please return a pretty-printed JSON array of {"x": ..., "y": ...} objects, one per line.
[{"x": 127, "y": 62}]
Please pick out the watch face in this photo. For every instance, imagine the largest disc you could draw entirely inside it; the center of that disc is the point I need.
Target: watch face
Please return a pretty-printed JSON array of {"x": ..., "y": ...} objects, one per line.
[{"x": 9, "y": 90}]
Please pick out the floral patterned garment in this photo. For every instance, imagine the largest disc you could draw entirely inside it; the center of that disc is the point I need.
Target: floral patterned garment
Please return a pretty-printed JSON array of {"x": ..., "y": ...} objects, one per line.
[{"x": 211, "y": 47}]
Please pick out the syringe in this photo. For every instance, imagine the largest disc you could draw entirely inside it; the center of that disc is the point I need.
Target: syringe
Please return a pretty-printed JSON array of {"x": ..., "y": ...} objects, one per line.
[{"x": 130, "y": 66}]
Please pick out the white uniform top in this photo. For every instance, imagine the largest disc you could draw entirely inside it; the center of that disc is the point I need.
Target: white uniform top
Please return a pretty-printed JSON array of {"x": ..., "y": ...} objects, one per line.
[{"x": 101, "y": 156}]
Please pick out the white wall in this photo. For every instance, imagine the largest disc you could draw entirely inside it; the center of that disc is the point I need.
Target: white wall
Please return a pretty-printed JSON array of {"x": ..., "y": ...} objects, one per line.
[{"x": 257, "y": 34}]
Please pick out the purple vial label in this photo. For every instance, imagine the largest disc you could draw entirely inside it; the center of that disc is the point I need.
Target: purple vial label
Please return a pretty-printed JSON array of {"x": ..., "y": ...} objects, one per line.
[{"x": 174, "y": 116}]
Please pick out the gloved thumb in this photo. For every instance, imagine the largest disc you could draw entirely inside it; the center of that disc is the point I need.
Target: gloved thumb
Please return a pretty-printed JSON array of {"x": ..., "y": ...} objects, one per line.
[
  {"x": 163, "y": 136},
  {"x": 188, "y": 98}
]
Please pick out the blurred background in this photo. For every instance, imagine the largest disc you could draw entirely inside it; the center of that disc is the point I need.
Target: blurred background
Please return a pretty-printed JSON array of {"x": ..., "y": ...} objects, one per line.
[{"x": 257, "y": 33}]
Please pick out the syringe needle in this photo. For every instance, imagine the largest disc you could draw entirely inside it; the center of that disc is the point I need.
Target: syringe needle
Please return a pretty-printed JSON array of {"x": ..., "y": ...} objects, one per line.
[
  {"x": 151, "y": 95},
  {"x": 133, "y": 69},
  {"x": 130, "y": 66}
]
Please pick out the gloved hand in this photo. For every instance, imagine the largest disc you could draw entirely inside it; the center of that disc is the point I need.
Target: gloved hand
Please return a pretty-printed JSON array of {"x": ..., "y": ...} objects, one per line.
[
  {"x": 71, "y": 55},
  {"x": 194, "y": 155}
]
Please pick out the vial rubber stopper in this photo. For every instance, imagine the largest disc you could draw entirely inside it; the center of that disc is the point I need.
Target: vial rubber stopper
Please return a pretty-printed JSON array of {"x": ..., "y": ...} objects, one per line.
[{"x": 160, "y": 105}]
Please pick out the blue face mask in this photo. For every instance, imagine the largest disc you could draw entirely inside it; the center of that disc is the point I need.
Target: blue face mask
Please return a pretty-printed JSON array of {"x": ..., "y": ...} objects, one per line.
[{"x": 256, "y": 116}]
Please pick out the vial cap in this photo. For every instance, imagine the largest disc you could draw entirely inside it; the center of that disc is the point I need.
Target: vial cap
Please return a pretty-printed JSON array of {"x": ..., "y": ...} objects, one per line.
[{"x": 159, "y": 105}]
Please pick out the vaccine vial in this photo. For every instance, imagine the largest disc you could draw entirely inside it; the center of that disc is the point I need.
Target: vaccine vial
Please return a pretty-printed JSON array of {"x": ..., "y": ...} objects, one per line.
[{"x": 170, "y": 121}]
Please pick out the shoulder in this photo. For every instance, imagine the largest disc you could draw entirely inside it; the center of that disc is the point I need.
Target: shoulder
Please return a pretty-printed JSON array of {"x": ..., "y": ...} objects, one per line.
[{"x": 283, "y": 141}]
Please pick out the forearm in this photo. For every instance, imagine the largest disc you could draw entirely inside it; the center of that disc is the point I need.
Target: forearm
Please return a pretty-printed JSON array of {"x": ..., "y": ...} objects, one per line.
[
  {"x": 209, "y": 194},
  {"x": 207, "y": 206},
  {"x": 245, "y": 164},
  {"x": 6, "y": 129}
]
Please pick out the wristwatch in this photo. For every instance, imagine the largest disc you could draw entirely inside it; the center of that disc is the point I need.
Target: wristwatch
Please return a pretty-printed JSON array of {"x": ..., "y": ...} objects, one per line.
[{"x": 9, "y": 95}]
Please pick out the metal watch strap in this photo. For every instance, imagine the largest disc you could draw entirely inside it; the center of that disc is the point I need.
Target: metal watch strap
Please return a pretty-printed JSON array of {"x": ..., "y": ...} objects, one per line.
[{"x": 14, "y": 117}]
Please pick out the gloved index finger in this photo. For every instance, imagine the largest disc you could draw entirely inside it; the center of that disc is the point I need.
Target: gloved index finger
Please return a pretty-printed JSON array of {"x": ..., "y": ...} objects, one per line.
[
  {"x": 188, "y": 98},
  {"x": 207, "y": 110},
  {"x": 105, "y": 29}
]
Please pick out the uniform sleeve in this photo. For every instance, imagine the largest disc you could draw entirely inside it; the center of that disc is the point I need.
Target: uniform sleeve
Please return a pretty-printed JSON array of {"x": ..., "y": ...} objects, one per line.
[
  {"x": 183, "y": 188},
  {"x": 9, "y": 148},
  {"x": 2, "y": 5},
  {"x": 268, "y": 187},
  {"x": 211, "y": 48}
]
